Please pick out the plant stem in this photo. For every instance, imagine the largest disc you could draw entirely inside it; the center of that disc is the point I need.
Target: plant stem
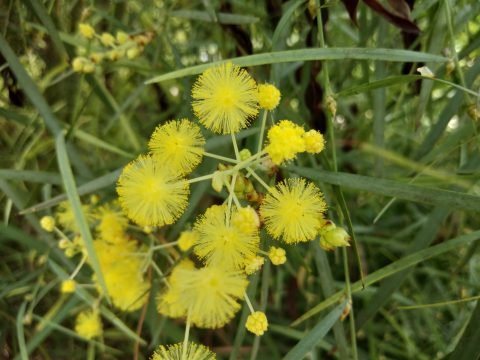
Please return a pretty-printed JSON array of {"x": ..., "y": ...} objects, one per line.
[
  {"x": 249, "y": 304},
  {"x": 79, "y": 266},
  {"x": 219, "y": 157},
  {"x": 185, "y": 339},
  {"x": 262, "y": 130},
  {"x": 235, "y": 146},
  {"x": 259, "y": 179}
]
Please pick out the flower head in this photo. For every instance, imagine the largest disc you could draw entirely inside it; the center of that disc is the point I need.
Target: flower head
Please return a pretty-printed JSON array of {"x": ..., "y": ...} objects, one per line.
[
  {"x": 68, "y": 286},
  {"x": 86, "y": 30},
  {"x": 88, "y": 324},
  {"x": 187, "y": 239},
  {"x": 225, "y": 98},
  {"x": 112, "y": 223},
  {"x": 277, "y": 255},
  {"x": 254, "y": 264},
  {"x": 66, "y": 217},
  {"x": 211, "y": 294},
  {"x": 179, "y": 144},
  {"x": 332, "y": 236},
  {"x": 47, "y": 223},
  {"x": 107, "y": 39},
  {"x": 151, "y": 193},
  {"x": 293, "y": 211},
  {"x": 268, "y": 96},
  {"x": 314, "y": 141},
  {"x": 176, "y": 352},
  {"x": 257, "y": 323},
  {"x": 285, "y": 141},
  {"x": 224, "y": 244}
]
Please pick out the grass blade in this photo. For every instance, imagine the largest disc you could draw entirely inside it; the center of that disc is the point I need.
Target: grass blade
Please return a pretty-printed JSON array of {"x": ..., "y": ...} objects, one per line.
[
  {"x": 393, "y": 268},
  {"x": 316, "y": 334},
  {"x": 467, "y": 347},
  {"x": 74, "y": 199},
  {"x": 309, "y": 55},
  {"x": 32, "y": 176},
  {"x": 20, "y": 333}
]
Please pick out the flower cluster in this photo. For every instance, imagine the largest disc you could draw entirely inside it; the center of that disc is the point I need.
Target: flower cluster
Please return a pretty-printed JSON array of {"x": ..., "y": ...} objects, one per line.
[{"x": 107, "y": 47}]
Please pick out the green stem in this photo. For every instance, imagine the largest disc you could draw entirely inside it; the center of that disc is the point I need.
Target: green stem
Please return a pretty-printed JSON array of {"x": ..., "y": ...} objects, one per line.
[
  {"x": 231, "y": 191},
  {"x": 219, "y": 157},
  {"x": 185, "y": 339},
  {"x": 79, "y": 266},
  {"x": 163, "y": 246},
  {"x": 249, "y": 304},
  {"x": 235, "y": 146},
  {"x": 262, "y": 130},
  {"x": 259, "y": 179}
]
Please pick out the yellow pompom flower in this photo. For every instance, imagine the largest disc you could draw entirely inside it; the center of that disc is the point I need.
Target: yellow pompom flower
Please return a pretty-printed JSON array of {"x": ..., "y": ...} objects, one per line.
[
  {"x": 293, "y": 211},
  {"x": 47, "y": 223},
  {"x": 225, "y": 98},
  {"x": 66, "y": 217},
  {"x": 179, "y": 144},
  {"x": 88, "y": 324},
  {"x": 246, "y": 219},
  {"x": 187, "y": 239},
  {"x": 277, "y": 255},
  {"x": 112, "y": 223},
  {"x": 151, "y": 193},
  {"x": 86, "y": 30},
  {"x": 210, "y": 294},
  {"x": 224, "y": 245},
  {"x": 314, "y": 142},
  {"x": 176, "y": 352},
  {"x": 68, "y": 286},
  {"x": 107, "y": 39},
  {"x": 254, "y": 264},
  {"x": 268, "y": 96},
  {"x": 257, "y": 323},
  {"x": 285, "y": 141}
]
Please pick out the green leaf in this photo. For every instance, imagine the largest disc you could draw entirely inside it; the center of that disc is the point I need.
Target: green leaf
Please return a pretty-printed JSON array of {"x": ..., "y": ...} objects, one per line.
[
  {"x": 393, "y": 188},
  {"x": 74, "y": 199},
  {"x": 393, "y": 268},
  {"x": 20, "y": 332},
  {"x": 468, "y": 346},
  {"x": 31, "y": 176},
  {"x": 311, "y": 339},
  {"x": 223, "y": 18},
  {"x": 308, "y": 55}
]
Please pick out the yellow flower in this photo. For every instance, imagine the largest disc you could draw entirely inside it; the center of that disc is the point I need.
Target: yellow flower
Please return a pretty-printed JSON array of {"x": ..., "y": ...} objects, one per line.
[
  {"x": 122, "y": 37},
  {"x": 225, "y": 98},
  {"x": 66, "y": 217},
  {"x": 293, "y": 211},
  {"x": 257, "y": 323},
  {"x": 285, "y": 141},
  {"x": 176, "y": 351},
  {"x": 254, "y": 264},
  {"x": 332, "y": 236},
  {"x": 107, "y": 39},
  {"x": 122, "y": 271},
  {"x": 314, "y": 141},
  {"x": 277, "y": 255},
  {"x": 179, "y": 144},
  {"x": 86, "y": 30},
  {"x": 187, "y": 239},
  {"x": 113, "y": 224},
  {"x": 211, "y": 294},
  {"x": 224, "y": 245},
  {"x": 268, "y": 96},
  {"x": 68, "y": 286},
  {"x": 151, "y": 193},
  {"x": 47, "y": 223},
  {"x": 246, "y": 219},
  {"x": 88, "y": 324}
]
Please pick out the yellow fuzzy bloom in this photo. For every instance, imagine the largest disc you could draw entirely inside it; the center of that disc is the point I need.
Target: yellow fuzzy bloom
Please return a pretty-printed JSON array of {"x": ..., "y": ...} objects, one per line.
[
  {"x": 285, "y": 141},
  {"x": 211, "y": 294},
  {"x": 277, "y": 255},
  {"x": 187, "y": 239},
  {"x": 254, "y": 264},
  {"x": 176, "y": 352},
  {"x": 225, "y": 98},
  {"x": 122, "y": 271},
  {"x": 122, "y": 37},
  {"x": 86, "y": 30},
  {"x": 179, "y": 144},
  {"x": 293, "y": 211},
  {"x": 314, "y": 141},
  {"x": 68, "y": 286},
  {"x": 246, "y": 219},
  {"x": 257, "y": 323},
  {"x": 224, "y": 245},
  {"x": 268, "y": 96},
  {"x": 151, "y": 193},
  {"x": 112, "y": 223},
  {"x": 107, "y": 39},
  {"x": 47, "y": 223},
  {"x": 88, "y": 324},
  {"x": 66, "y": 217}
]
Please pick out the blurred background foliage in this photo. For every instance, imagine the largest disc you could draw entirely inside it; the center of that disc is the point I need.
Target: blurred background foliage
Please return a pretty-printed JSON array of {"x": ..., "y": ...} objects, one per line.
[{"x": 390, "y": 124}]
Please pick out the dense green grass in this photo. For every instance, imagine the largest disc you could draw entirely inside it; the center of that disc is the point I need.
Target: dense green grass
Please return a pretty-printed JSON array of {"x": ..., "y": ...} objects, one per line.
[{"x": 400, "y": 172}]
